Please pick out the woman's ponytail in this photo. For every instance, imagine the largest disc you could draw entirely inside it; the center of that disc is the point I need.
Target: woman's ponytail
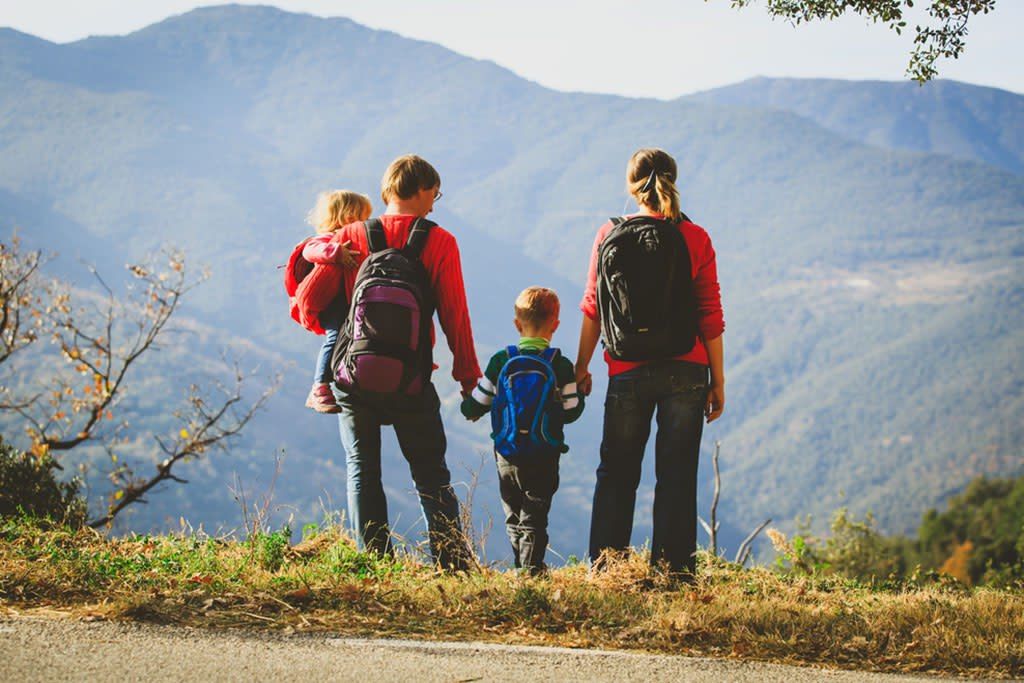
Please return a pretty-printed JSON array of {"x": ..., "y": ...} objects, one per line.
[
  {"x": 668, "y": 196},
  {"x": 651, "y": 179}
]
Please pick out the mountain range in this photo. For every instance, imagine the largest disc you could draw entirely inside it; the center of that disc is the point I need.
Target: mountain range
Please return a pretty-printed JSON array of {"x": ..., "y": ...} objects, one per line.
[{"x": 869, "y": 239}]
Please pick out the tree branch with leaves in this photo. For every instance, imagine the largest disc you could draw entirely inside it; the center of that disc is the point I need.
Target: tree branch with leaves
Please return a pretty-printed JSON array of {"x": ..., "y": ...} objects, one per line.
[
  {"x": 101, "y": 343},
  {"x": 942, "y": 37}
]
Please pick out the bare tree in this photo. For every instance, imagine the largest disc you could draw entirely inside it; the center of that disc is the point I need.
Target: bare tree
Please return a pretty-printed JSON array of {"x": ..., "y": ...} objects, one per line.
[
  {"x": 743, "y": 552},
  {"x": 942, "y": 37},
  {"x": 102, "y": 341}
]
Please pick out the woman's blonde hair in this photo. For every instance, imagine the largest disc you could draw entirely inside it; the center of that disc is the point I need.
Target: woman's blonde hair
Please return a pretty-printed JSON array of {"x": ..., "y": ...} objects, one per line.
[
  {"x": 337, "y": 208},
  {"x": 651, "y": 179}
]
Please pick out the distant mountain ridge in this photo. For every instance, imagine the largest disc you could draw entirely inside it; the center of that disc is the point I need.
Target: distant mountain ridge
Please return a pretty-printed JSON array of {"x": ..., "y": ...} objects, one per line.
[
  {"x": 945, "y": 117},
  {"x": 872, "y": 284}
]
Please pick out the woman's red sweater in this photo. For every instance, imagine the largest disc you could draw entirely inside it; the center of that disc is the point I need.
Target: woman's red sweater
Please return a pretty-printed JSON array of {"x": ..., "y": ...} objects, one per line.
[{"x": 711, "y": 321}]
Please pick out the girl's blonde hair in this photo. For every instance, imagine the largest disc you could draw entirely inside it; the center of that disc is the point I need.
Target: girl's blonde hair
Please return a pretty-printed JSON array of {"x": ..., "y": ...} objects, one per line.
[
  {"x": 337, "y": 208},
  {"x": 651, "y": 179}
]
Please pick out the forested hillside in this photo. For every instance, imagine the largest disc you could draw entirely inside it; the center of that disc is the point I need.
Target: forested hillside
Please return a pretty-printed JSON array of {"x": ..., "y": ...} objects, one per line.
[{"x": 872, "y": 283}]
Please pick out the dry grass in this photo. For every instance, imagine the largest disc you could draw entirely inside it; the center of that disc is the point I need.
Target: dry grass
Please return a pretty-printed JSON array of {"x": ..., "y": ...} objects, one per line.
[{"x": 327, "y": 585}]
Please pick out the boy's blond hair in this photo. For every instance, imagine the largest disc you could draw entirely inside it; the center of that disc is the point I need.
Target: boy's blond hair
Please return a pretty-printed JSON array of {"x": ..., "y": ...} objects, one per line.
[
  {"x": 406, "y": 176},
  {"x": 337, "y": 208},
  {"x": 537, "y": 306}
]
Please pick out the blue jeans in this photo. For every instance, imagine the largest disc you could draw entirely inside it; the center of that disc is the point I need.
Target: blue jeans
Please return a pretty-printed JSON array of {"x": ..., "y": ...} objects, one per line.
[
  {"x": 332, "y": 324},
  {"x": 677, "y": 391},
  {"x": 422, "y": 441}
]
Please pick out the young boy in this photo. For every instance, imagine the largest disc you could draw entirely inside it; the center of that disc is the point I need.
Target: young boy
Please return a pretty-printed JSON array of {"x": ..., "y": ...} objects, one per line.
[{"x": 530, "y": 391}]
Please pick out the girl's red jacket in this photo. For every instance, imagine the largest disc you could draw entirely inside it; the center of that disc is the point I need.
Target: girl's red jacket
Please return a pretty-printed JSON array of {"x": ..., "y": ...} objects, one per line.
[
  {"x": 312, "y": 281},
  {"x": 444, "y": 267},
  {"x": 705, "y": 283}
]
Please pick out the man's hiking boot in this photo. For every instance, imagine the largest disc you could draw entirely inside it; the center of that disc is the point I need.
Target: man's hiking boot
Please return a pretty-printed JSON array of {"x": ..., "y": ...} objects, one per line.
[{"x": 321, "y": 399}]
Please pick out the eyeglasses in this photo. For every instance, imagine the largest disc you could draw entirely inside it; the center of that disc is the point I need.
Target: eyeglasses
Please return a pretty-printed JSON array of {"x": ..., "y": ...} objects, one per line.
[{"x": 438, "y": 195}]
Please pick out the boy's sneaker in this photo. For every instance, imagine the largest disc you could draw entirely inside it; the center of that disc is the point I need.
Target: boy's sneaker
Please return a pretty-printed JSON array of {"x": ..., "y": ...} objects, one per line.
[{"x": 321, "y": 399}]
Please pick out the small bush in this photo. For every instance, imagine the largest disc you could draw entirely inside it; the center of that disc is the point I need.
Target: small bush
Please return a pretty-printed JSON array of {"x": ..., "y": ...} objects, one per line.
[
  {"x": 269, "y": 548},
  {"x": 29, "y": 486}
]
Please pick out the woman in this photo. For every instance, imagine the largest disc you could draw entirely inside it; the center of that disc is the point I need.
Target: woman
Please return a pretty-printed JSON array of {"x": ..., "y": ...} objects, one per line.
[{"x": 643, "y": 380}]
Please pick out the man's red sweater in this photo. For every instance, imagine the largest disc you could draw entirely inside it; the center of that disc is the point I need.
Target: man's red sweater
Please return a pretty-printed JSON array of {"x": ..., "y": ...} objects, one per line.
[
  {"x": 444, "y": 266},
  {"x": 711, "y": 321}
]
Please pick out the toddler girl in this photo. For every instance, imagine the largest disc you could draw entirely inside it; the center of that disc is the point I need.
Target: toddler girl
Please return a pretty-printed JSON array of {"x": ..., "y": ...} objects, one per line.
[{"x": 333, "y": 210}]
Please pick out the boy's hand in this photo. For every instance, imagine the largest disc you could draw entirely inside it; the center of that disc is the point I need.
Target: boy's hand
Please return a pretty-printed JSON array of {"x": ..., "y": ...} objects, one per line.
[{"x": 474, "y": 419}]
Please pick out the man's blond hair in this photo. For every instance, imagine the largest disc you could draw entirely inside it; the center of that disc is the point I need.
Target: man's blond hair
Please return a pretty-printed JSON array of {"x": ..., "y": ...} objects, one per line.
[
  {"x": 406, "y": 176},
  {"x": 537, "y": 306}
]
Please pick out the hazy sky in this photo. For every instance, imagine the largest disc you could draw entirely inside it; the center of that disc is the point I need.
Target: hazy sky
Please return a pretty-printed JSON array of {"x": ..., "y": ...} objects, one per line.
[{"x": 657, "y": 48}]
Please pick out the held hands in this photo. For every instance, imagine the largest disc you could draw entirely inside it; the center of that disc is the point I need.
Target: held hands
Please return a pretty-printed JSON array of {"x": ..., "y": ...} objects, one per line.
[
  {"x": 584, "y": 381},
  {"x": 715, "y": 402},
  {"x": 467, "y": 391}
]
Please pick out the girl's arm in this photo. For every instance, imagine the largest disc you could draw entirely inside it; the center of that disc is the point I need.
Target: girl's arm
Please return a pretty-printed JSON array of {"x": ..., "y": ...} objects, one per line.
[{"x": 325, "y": 250}]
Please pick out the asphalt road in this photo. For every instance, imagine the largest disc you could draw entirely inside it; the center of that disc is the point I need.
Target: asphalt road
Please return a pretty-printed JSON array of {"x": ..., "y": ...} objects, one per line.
[{"x": 52, "y": 649}]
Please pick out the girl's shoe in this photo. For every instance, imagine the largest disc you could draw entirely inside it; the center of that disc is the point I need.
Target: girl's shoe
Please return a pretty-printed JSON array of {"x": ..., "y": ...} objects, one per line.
[{"x": 321, "y": 399}]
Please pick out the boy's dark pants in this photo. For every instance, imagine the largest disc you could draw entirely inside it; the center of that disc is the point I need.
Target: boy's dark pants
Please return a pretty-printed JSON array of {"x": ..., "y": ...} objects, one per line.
[
  {"x": 527, "y": 487},
  {"x": 677, "y": 391}
]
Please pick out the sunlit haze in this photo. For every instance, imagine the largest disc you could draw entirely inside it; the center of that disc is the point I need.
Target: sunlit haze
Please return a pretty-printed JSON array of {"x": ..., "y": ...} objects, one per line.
[{"x": 653, "y": 48}]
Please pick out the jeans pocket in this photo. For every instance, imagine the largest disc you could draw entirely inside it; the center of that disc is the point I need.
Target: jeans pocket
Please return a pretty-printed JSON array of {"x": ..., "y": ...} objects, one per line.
[{"x": 697, "y": 390}]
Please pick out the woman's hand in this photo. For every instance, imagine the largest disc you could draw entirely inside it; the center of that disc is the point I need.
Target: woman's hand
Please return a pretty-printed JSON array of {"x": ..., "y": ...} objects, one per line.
[
  {"x": 715, "y": 403},
  {"x": 584, "y": 381}
]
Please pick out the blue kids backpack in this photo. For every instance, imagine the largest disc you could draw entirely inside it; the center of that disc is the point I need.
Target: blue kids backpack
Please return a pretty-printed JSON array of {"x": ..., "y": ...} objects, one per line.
[{"x": 526, "y": 416}]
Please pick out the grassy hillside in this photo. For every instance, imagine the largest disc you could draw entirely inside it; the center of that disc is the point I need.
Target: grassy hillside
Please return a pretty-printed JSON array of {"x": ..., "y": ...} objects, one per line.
[
  {"x": 872, "y": 293},
  {"x": 325, "y": 585}
]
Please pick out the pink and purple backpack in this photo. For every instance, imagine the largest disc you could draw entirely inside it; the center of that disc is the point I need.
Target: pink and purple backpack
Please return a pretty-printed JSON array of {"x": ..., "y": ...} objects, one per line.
[{"x": 384, "y": 350}]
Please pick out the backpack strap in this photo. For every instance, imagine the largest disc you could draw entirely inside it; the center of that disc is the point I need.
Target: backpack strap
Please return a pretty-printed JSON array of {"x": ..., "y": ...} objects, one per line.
[
  {"x": 550, "y": 355},
  {"x": 617, "y": 221},
  {"x": 683, "y": 218},
  {"x": 376, "y": 240},
  {"x": 513, "y": 351},
  {"x": 418, "y": 234}
]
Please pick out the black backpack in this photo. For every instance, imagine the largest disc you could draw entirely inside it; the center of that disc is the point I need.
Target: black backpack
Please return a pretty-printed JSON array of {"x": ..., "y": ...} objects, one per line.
[
  {"x": 384, "y": 347},
  {"x": 645, "y": 290}
]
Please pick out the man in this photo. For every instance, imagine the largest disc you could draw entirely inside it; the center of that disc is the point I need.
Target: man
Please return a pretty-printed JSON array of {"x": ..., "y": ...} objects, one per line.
[{"x": 410, "y": 187}]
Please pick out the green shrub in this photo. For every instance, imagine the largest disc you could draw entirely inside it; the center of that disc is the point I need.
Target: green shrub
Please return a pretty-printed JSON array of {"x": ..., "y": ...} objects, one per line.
[
  {"x": 269, "y": 547},
  {"x": 29, "y": 486}
]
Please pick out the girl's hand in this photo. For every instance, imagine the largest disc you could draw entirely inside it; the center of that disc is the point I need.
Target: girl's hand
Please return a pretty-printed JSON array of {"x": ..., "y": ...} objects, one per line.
[{"x": 715, "y": 403}]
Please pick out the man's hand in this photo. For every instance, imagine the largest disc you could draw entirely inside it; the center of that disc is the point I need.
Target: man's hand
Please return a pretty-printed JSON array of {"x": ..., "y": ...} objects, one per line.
[
  {"x": 715, "y": 403},
  {"x": 474, "y": 419},
  {"x": 345, "y": 256},
  {"x": 584, "y": 381}
]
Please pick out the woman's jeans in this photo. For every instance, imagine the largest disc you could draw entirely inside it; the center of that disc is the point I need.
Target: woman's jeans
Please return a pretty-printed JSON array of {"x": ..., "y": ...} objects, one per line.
[
  {"x": 677, "y": 392},
  {"x": 422, "y": 441}
]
